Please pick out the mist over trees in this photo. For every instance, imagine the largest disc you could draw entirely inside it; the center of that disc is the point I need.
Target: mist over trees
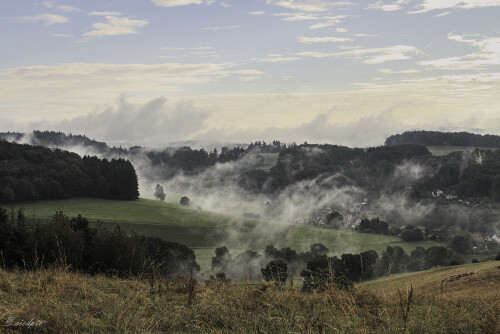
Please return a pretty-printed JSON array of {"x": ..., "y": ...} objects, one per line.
[
  {"x": 381, "y": 170},
  {"x": 59, "y": 139},
  {"x": 318, "y": 270},
  {"x": 165, "y": 162},
  {"x": 33, "y": 172}
]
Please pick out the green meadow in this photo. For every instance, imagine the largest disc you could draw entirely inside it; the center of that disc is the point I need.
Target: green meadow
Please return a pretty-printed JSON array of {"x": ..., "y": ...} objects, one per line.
[
  {"x": 300, "y": 237},
  {"x": 203, "y": 231}
]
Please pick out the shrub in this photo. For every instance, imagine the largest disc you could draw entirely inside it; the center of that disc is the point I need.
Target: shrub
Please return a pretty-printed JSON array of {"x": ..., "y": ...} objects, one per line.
[{"x": 275, "y": 271}]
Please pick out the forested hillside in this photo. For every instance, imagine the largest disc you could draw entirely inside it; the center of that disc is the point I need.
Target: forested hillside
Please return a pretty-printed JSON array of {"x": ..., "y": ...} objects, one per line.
[
  {"x": 33, "y": 172},
  {"x": 384, "y": 169},
  {"x": 165, "y": 162},
  {"x": 436, "y": 138},
  {"x": 58, "y": 139}
]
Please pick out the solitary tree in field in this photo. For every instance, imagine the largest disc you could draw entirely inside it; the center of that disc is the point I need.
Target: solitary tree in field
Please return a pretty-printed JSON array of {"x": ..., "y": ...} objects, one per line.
[
  {"x": 185, "y": 201},
  {"x": 159, "y": 193}
]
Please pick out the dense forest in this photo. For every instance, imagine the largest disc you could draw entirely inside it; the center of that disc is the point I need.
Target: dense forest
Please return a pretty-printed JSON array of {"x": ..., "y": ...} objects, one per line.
[
  {"x": 72, "y": 243},
  {"x": 33, "y": 172},
  {"x": 166, "y": 162},
  {"x": 383, "y": 169},
  {"x": 436, "y": 138}
]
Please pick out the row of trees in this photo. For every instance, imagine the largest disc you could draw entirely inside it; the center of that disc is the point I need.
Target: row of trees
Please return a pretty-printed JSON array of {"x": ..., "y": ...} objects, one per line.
[
  {"x": 370, "y": 169},
  {"x": 436, "y": 138},
  {"x": 378, "y": 170},
  {"x": 30, "y": 244},
  {"x": 318, "y": 270},
  {"x": 33, "y": 172}
]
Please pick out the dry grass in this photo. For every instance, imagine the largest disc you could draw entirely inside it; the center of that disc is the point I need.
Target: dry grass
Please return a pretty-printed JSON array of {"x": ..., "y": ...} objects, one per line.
[{"x": 75, "y": 303}]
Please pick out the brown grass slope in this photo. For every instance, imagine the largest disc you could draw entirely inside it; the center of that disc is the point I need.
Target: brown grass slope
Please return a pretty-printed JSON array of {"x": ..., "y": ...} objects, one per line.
[{"x": 75, "y": 303}]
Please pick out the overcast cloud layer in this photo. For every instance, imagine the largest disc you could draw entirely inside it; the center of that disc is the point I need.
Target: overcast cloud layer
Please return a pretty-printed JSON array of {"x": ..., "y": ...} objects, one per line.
[{"x": 160, "y": 71}]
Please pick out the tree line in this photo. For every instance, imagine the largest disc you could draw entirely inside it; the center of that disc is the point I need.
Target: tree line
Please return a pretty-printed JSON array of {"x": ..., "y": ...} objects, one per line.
[
  {"x": 33, "y": 173},
  {"x": 436, "y": 138},
  {"x": 167, "y": 161},
  {"x": 473, "y": 174},
  {"x": 72, "y": 243},
  {"x": 318, "y": 270}
]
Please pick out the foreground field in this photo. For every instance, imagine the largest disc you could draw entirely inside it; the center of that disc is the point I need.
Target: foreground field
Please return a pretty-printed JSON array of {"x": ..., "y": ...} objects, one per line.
[
  {"x": 435, "y": 282},
  {"x": 62, "y": 302}
]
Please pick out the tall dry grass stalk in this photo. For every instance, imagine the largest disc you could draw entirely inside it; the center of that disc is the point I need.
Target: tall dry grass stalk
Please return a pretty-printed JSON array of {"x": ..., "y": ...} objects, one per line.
[{"x": 69, "y": 302}]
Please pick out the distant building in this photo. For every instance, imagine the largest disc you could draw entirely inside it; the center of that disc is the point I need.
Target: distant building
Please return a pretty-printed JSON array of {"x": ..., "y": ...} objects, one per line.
[
  {"x": 437, "y": 193},
  {"x": 478, "y": 237}
]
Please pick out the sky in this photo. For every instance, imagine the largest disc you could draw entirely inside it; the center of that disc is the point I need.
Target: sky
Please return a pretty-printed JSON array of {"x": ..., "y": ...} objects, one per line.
[{"x": 154, "y": 72}]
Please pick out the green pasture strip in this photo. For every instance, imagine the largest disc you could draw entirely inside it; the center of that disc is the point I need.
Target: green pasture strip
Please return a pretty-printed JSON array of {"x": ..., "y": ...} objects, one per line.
[
  {"x": 300, "y": 237},
  {"x": 139, "y": 211}
]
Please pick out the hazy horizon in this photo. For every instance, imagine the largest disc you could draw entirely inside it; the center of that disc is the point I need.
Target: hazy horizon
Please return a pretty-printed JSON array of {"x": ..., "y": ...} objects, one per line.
[{"x": 321, "y": 71}]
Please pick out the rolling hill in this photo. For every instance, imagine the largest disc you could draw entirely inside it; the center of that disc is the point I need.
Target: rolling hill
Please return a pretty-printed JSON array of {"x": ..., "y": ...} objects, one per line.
[{"x": 204, "y": 231}]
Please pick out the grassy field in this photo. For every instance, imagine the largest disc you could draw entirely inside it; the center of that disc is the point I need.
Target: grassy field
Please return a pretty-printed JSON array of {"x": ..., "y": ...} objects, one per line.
[
  {"x": 59, "y": 301},
  {"x": 204, "y": 231},
  {"x": 300, "y": 237},
  {"x": 140, "y": 211},
  {"x": 444, "y": 150},
  {"x": 436, "y": 281}
]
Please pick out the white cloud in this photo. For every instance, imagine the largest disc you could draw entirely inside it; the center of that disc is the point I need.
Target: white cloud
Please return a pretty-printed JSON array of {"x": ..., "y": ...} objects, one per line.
[
  {"x": 157, "y": 121},
  {"x": 257, "y": 13},
  {"x": 220, "y": 28},
  {"x": 47, "y": 19},
  {"x": 308, "y": 5},
  {"x": 328, "y": 21},
  {"x": 341, "y": 30},
  {"x": 368, "y": 56},
  {"x": 175, "y": 3},
  {"x": 51, "y": 87},
  {"x": 381, "y": 55},
  {"x": 116, "y": 26},
  {"x": 331, "y": 39},
  {"x": 389, "y": 6},
  {"x": 430, "y": 5},
  {"x": 62, "y": 35},
  {"x": 276, "y": 58},
  {"x": 488, "y": 54},
  {"x": 169, "y": 48},
  {"x": 316, "y": 54},
  {"x": 391, "y": 71},
  {"x": 442, "y": 14},
  {"x": 297, "y": 16},
  {"x": 105, "y": 14},
  {"x": 68, "y": 9},
  {"x": 249, "y": 78},
  {"x": 48, "y": 4},
  {"x": 361, "y": 117},
  {"x": 462, "y": 78},
  {"x": 366, "y": 35}
]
